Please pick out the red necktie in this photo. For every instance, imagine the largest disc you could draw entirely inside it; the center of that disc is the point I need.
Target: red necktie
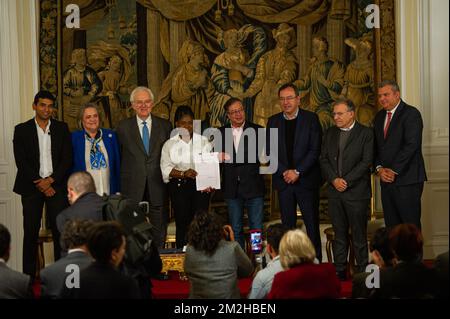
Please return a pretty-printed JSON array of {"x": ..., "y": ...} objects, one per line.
[{"x": 386, "y": 127}]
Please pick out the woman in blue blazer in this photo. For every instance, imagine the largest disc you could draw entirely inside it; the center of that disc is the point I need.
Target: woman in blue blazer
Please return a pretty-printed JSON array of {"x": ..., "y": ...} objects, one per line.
[{"x": 96, "y": 150}]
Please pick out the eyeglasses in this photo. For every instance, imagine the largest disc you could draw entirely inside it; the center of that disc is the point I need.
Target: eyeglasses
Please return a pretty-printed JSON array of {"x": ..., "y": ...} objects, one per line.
[
  {"x": 236, "y": 112},
  {"x": 339, "y": 114},
  {"x": 142, "y": 103},
  {"x": 287, "y": 98}
]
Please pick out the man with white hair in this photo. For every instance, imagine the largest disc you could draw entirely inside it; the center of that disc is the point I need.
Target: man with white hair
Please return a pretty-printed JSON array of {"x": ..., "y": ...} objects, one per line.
[
  {"x": 85, "y": 202},
  {"x": 141, "y": 138}
]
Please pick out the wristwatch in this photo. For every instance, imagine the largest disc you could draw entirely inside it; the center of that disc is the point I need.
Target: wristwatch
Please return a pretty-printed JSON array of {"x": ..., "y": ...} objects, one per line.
[{"x": 297, "y": 172}]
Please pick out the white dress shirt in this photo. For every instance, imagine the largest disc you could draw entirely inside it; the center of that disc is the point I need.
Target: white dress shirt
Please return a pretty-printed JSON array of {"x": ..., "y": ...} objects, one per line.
[
  {"x": 45, "y": 150},
  {"x": 237, "y": 133},
  {"x": 140, "y": 125},
  {"x": 178, "y": 154}
]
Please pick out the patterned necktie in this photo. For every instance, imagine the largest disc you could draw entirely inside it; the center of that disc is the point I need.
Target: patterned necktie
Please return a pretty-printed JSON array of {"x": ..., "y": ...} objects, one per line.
[
  {"x": 146, "y": 137},
  {"x": 388, "y": 122}
]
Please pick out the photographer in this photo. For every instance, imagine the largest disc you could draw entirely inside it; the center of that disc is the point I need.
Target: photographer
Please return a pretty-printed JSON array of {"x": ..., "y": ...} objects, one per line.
[
  {"x": 212, "y": 263},
  {"x": 262, "y": 283}
]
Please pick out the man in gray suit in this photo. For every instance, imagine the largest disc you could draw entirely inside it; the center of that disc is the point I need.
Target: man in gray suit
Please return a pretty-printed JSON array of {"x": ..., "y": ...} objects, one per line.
[
  {"x": 141, "y": 139},
  {"x": 13, "y": 284},
  {"x": 346, "y": 160},
  {"x": 74, "y": 237}
]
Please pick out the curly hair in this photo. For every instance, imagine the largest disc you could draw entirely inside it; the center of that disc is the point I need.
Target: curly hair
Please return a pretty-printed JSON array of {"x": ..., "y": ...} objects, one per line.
[
  {"x": 205, "y": 232},
  {"x": 75, "y": 233}
]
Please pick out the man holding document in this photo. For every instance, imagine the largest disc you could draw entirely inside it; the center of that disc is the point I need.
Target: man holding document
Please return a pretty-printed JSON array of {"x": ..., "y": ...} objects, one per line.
[
  {"x": 243, "y": 185},
  {"x": 190, "y": 183}
]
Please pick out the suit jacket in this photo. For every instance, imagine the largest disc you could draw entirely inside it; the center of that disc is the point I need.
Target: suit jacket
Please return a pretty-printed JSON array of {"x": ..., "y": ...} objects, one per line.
[
  {"x": 356, "y": 162},
  {"x": 13, "y": 284},
  {"x": 53, "y": 277},
  {"x": 26, "y": 154},
  {"x": 246, "y": 174},
  {"x": 401, "y": 151},
  {"x": 99, "y": 281},
  {"x": 137, "y": 167},
  {"x": 112, "y": 148},
  {"x": 87, "y": 206},
  {"x": 409, "y": 280},
  {"x": 308, "y": 137},
  {"x": 306, "y": 281}
]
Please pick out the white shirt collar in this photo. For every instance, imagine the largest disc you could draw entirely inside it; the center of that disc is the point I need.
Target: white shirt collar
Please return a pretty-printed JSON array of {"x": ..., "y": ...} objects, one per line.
[
  {"x": 140, "y": 121},
  {"x": 294, "y": 117},
  {"x": 348, "y": 128},
  {"x": 238, "y": 127},
  {"x": 2, "y": 261},
  {"x": 76, "y": 250},
  {"x": 394, "y": 109},
  {"x": 47, "y": 128}
]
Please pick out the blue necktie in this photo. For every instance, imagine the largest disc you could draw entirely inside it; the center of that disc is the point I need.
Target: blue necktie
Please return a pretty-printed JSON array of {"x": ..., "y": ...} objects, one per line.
[{"x": 146, "y": 137}]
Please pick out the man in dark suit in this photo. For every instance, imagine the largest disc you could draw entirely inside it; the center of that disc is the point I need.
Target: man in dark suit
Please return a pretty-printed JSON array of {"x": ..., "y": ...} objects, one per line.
[
  {"x": 141, "y": 139},
  {"x": 85, "y": 202},
  {"x": 74, "y": 237},
  {"x": 13, "y": 284},
  {"x": 346, "y": 160},
  {"x": 242, "y": 184},
  {"x": 398, "y": 157},
  {"x": 297, "y": 178},
  {"x": 43, "y": 154}
]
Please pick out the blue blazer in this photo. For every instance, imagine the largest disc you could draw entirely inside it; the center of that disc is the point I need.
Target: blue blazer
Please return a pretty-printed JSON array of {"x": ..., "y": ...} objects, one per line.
[
  {"x": 307, "y": 143},
  {"x": 112, "y": 147}
]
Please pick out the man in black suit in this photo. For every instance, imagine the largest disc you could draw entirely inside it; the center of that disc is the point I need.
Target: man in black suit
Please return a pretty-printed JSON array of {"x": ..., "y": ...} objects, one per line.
[
  {"x": 242, "y": 184},
  {"x": 85, "y": 202},
  {"x": 398, "y": 157},
  {"x": 141, "y": 139},
  {"x": 346, "y": 160},
  {"x": 297, "y": 178},
  {"x": 74, "y": 238},
  {"x": 43, "y": 154}
]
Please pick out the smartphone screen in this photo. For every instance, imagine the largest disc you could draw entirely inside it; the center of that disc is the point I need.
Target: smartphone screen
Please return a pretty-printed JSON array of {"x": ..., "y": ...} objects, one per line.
[{"x": 256, "y": 241}]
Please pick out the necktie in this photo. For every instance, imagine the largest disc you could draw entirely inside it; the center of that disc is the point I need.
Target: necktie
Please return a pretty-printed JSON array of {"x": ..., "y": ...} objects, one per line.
[
  {"x": 388, "y": 122},
  {"x": 146, "y": 137}
]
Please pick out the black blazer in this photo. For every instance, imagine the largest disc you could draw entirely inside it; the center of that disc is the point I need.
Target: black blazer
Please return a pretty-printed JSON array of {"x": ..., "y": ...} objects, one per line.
[
  {"x": 308, "y": 137},
  {"x": 401, "y": 151},
  {"x": 246, "y": 173},
  {"x": 356, "y": 163},
  {"x": 138, "y": 167},
  {"x": 26, "y": 154}
]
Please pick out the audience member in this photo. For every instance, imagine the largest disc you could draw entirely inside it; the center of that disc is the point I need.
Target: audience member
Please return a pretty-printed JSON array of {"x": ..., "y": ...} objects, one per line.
[
  {"x": 302, "y": 278},
  {"x": 13, "y": 284},
  {"x": 178, "y": 170},
  {"x": 43, "y": 163},
  {"x": 96, "y": 151},
  {"x": 74, "y": 239},
  {"x": 102, "y": 279},
  {"x": 409, "y": 278},
  {"x": 382, "y": 257},
  {"x": 262, "y": 283},
  {"x": 213, "y": 264},
  {"x": 441, "y": 267},
  {"x": 84, "y": 201}
]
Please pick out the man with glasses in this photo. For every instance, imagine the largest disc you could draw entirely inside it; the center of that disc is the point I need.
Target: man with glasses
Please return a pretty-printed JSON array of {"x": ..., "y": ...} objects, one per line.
[
  {"x": 141, "y": 139},
  {"x": 242, "y": 184},
  {"x": 297, "y": 178},
  {"x": 346, "y": 160},
  {"x": 43, "y": 154}
]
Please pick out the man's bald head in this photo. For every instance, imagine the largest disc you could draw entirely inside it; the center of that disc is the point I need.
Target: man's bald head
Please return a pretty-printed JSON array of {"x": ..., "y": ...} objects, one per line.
[{"x": 79, "y": 183}]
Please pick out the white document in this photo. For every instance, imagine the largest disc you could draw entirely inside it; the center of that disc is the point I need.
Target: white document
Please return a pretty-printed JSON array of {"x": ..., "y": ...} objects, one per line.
[{"x": 207, "y": 168}]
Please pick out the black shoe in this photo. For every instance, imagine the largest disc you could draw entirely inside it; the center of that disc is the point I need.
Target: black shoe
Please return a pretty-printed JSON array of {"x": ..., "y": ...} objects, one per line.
[{"x": 342, "y": 275}]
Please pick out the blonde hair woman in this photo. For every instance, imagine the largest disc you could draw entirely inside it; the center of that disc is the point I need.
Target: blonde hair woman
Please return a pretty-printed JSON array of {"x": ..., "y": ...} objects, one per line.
[{"x": 302, "y": 278}]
